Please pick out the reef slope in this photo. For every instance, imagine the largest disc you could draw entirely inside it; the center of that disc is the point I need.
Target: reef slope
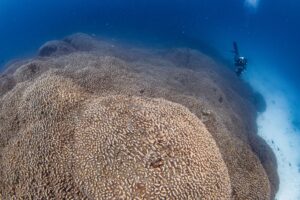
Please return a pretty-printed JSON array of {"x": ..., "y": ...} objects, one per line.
[{"x": 89, "y": 118}]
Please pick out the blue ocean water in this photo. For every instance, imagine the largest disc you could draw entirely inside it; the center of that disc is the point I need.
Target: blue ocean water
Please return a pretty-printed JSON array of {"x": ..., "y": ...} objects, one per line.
[{"x": 267, "y": 32}]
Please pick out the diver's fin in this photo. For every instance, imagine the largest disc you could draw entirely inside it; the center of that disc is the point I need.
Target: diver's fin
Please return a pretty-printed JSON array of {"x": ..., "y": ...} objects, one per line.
[{"x": 236, "y": 49}]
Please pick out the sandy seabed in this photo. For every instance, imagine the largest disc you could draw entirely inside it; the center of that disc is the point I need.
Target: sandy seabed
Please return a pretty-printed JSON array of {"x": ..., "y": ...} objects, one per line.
[{"x": 275, "y": 126}]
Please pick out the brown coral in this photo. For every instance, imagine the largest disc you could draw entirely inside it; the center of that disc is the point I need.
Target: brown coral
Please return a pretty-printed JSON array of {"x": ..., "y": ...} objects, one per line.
[
  {"x": 81, "y": 146},
  {"x": 141, "y": 148},
  {"x": 33, "y": 158},
  {"x": 55, "y": 48},
  {"x": 47, "y": 101}
]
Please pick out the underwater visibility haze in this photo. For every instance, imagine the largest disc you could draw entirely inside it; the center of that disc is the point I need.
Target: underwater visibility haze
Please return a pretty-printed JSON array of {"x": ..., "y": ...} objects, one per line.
[{"x": 161, "y": 32}]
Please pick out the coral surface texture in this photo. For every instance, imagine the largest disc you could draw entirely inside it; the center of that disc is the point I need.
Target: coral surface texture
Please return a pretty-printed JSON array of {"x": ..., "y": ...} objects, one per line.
[{"x": 89, "y": 118}]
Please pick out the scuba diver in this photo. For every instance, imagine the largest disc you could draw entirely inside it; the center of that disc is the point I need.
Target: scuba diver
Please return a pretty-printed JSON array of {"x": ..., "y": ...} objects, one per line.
[{"x": 240, "y": 62}]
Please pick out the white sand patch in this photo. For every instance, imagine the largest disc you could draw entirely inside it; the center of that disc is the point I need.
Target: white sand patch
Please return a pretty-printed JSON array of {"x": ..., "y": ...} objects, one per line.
[{"x": 275, "y": 125}]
